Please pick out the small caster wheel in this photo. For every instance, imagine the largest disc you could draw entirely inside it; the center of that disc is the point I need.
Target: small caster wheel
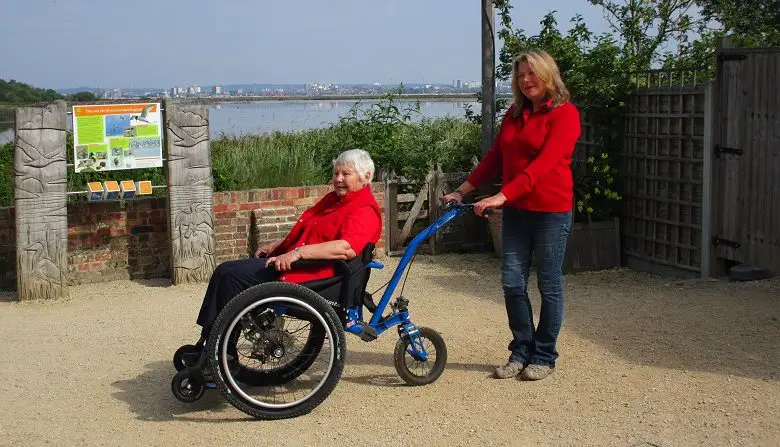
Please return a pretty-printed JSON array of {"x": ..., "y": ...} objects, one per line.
[
  {"x": 188, "y": 385},
  {"x": 416, "y": 371},
  {"x": 185, "y": 357}
]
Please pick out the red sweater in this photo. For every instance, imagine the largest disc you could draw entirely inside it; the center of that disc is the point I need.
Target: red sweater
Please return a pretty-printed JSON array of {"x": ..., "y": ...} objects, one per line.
[
  {"x": 356, "y": 218},
  {"x": 533, "y": 152}
]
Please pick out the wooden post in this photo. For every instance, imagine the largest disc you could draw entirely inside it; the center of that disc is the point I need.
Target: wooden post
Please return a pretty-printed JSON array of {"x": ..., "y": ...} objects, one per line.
[
  {"x": 40, "y": 198},
  {"x": 707, "y": 215},
  {"x": 435, "y": 191},
  {"x": 488, "y": 75},
  {"x": 190, "y": 193},
  {"x": 712, "y": 190}
]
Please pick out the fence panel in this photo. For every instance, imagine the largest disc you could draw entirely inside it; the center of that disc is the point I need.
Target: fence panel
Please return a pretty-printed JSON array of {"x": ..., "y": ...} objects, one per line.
[{"x": 663, "y": 174}]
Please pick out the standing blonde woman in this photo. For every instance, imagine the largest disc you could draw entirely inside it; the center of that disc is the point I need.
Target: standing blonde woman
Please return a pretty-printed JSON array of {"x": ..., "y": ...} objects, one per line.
[{"x": 533, "y": 152}]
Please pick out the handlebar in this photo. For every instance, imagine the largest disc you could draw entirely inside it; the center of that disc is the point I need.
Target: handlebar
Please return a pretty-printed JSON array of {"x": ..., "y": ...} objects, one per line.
[{"x": 469, "y": 207}]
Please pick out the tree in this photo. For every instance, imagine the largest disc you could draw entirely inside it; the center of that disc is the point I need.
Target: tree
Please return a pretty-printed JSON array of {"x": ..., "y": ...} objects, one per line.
[
  {"x": 748, "y": 23},
  {"x": 83, "y": 97},
  {"x": 14, "y": 92},
  {"x": 643, "y": 27},
  {"x": 752, "y": 23}
]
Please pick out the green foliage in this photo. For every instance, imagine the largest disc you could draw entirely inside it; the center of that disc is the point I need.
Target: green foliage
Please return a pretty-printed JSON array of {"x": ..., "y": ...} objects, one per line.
[
  {"x": 750, "y": 24},
  {"x": 265, "y": 161},
  {"x": 83, "y": 97},
  {"x": 13, "y": 92},
  {"x": 594, "y": 186},
  {"x": 643, "y": 27},
  {"x": 399, "y": 143},
  {"x": 6, "y": 174},
  {"x": 395, "y": 139}
]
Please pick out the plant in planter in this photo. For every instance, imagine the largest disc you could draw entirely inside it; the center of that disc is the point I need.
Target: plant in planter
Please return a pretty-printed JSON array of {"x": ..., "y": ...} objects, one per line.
[
  {"x": 595, "y": 198},
  {"x": 595, "y": 237}
]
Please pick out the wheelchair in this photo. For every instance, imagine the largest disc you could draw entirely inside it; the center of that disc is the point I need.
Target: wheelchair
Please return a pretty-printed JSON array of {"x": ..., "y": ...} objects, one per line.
[{"x": 274, "y": 338}]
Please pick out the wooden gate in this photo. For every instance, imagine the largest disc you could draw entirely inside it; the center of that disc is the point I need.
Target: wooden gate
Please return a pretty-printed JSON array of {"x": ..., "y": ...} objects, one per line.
[
  {"x": 746, "y": 162},
  {"x": 412, "y": 206}
]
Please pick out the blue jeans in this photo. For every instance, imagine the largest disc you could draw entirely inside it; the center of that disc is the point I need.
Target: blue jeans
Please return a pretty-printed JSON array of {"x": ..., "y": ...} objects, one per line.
[{"x": 541, "y": 235}]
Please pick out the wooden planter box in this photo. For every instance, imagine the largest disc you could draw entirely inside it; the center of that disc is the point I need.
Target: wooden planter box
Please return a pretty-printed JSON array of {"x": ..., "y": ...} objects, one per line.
[{"x": 593, "y": 247}]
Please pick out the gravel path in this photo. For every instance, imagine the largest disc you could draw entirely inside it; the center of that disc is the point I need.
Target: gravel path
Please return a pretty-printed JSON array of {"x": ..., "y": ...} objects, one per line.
[{"x": 644, "y": 361}]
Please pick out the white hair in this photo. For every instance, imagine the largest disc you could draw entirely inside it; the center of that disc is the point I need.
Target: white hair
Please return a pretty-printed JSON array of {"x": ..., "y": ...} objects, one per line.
[{"x": 360, "y": 159}]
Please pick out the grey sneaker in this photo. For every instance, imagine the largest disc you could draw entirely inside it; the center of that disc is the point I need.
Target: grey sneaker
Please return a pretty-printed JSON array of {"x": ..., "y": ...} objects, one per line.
[
  {"x": 536, "y": 372},
  {"x": 511, "y": 369}
]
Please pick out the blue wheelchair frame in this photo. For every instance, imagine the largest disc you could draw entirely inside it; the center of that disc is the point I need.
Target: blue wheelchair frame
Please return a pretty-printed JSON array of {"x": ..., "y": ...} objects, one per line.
[
  {"x": 400, "y": 316},
  {"x": 369, "y": 331}
]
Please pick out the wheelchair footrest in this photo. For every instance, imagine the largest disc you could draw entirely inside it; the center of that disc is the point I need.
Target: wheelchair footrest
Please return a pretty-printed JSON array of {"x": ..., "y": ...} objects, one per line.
[
  {"x": 361, "y": 328},
  {"x": 369, "y": 333}
]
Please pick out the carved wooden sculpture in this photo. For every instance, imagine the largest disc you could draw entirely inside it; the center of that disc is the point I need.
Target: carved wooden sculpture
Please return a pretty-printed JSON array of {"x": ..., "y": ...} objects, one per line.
[
  {"x": 40, "y": 187},
  {"x": 190, "y": 194}
]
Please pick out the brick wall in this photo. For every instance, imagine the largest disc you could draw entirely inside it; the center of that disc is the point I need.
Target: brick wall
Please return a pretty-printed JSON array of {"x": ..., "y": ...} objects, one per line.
[
  {"x": 129, "y": 240},
  {"x": 115, "y": 240}
]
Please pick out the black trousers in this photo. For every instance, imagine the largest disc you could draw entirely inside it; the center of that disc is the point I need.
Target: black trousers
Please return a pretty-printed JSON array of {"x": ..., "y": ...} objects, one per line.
[{"x": 228, "y": 280}]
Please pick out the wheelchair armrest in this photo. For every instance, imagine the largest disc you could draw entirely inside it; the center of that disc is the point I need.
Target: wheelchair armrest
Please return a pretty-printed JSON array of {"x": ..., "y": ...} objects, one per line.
[
  {"x": 342, "y": 267},
  {"x": 343, "y": 270}
]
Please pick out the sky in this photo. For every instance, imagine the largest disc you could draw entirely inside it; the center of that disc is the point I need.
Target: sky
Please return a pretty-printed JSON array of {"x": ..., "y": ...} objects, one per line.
[{"x": 110, "y": 44}]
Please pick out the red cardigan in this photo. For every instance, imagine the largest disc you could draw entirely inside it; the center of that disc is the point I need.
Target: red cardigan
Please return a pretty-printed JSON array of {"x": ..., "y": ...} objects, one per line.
[
  {"x": 356, "y": 219},
  {"x": 533, "y": 152}
]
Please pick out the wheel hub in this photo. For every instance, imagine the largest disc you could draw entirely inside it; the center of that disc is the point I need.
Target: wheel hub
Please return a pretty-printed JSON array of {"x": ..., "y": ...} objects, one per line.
[{"x": 273, "y": 345}]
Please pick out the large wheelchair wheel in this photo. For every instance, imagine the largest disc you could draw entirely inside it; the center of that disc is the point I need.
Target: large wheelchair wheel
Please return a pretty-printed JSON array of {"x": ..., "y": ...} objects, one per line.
[{"x": 276, "y": 351}]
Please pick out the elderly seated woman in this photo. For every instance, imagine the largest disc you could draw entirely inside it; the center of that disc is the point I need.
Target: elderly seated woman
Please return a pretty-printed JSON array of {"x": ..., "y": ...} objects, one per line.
[{"x": 339, "y": 226}]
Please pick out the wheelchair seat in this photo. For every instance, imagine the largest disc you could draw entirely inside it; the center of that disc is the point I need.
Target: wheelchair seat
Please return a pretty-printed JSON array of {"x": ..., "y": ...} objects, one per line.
[{"x": 346, "y": 288}]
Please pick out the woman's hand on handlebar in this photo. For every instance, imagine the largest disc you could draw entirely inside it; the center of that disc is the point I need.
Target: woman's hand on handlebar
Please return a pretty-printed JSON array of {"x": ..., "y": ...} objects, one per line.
[
  {"x": 454, "y": 196},
  {"x": 495, "y": 201}
]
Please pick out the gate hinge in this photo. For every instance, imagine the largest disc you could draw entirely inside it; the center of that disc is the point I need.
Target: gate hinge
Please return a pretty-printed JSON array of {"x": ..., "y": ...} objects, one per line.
[
  {"x": 728, "y": 150},
  {"x": 718, "y": 241},
  {"x": 731, "y": 57}
]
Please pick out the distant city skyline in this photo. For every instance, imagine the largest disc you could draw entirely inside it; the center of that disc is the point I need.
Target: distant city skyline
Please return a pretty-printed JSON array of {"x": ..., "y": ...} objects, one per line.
[{"x": 80, "y": 43}]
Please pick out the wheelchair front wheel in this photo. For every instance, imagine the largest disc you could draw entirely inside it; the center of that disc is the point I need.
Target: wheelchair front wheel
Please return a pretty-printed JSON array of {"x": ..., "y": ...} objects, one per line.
[
  {"x": 185, "y": 357},
  {"x": 188, "y": 385},
  {"x": 241, "y": 349},
  {"x": 413, "y": 370}
]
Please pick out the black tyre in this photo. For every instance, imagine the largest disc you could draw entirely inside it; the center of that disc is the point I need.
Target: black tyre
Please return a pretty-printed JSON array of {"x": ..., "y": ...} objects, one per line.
[
  {"x": 242, "y": 317},
  {"x": 185, "y": 357},
  {"x": 188, "y": 385},
  {"x": 416, "y": 372}
]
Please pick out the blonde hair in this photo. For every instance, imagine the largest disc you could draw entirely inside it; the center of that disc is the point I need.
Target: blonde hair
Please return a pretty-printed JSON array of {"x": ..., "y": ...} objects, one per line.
[{"x": 546, "y": 70}]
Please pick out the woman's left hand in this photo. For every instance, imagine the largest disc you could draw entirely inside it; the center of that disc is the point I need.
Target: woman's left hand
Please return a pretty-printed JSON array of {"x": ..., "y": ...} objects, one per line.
[
  {"x": 489, "y": 202},
  {"x": 283, "y": 263}
]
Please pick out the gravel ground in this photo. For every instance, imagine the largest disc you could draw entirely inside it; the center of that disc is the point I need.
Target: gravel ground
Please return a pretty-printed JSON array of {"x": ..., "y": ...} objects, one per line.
[{"x": 644, "y": 361}]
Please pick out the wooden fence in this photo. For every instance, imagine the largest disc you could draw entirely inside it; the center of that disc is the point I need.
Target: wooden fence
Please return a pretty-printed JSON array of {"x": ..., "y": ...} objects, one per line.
[
  {"x": 412, "y": 206},
  {"x": 663, "y": 174},
  {"x": 746, "y": 164}
]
